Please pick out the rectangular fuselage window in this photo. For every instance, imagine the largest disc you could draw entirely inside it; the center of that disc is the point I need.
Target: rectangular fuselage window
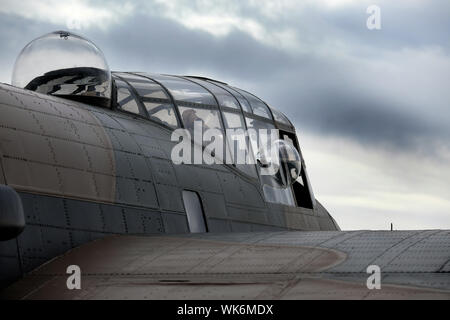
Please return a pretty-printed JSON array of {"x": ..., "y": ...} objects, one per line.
[{"x": 194, "y": 212}]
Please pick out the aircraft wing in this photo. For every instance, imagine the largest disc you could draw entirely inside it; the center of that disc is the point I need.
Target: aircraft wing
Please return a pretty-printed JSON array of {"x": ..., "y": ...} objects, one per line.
[{"x": 277, "y": 265}]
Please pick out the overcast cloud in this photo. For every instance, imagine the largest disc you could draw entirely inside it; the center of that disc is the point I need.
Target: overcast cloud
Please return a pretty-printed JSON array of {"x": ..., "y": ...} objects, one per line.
[{"x": 371, "y": 106}]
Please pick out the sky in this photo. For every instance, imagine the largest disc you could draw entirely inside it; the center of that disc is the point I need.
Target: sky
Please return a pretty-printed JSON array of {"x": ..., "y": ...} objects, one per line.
[{"x": 371, "y": 107}]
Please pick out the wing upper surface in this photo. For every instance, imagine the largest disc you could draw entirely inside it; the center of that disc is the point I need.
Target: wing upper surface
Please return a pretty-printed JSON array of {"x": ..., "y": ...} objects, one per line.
[{"x": 277, "y": 265}]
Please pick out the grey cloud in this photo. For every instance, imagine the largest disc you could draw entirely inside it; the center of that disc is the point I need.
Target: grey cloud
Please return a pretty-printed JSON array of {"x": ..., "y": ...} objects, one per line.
[
  {"x": 159, "y": 44},
  {"x": 326, "y": 94},
  {"x": 403, "y": 24},
  {"x": 15, "y": 33},
  {"x": 327, "y": 100},
  {"x": 371, "y": 122}
]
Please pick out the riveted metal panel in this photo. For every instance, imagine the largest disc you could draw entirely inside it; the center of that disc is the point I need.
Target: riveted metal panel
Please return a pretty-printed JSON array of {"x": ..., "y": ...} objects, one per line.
[
  {"x": 43, "y": 105},
  {"x": 237, "y": 213},
  {"x": 57, "y": 127},
  {"x": 261, "y": 228},
  {"x": 132, "y": 166},
  {"x": 100, "y": 160},
  {"x": 106, "y": 187},
  {"x": 163, "y": 172},
  {"x": 126, "y": 191},
  {"x": 169, "y": 198},
  {"x": 311, "y": 222},
  {"x": 246, "y": 214},
  {"x": 167, "y": 146},
  {"x": 50, "y": 160},
  {"x": 31, "y": 176},
  {"x": 251, "y": 194},
  {"x": 216, "y": 167},
  {"x": 175, "y": 223},
  {"x": 146, "y": 194},
  {"x": 150, "y": 147},
  {"x": 17, "y": 118},
  {"x": 77, "y": 183},
  {"x": 70, "y": 154},
  {"x": 50, "y": 210},
  {"x": 56, "y": 241},
  {"x": 33, "y": 102},
  {"x": 218, "y": 225},
  {"x": 75, "y": 111},
  {"x": 106, "y": 120},
  {"x": 263, "y": 260},
  {"x": 122, "y": 141},
  {"x": 185, "y": 174},
  {"x": 30, "y": 209},
  {"x": 43, "y": 210},
  {"x": 231, "y": 188},
  {"x": 114, "y": 140},
  {"x": 240, "y": 226},
  {"x": 80, "y": 237},
  {"x": 8, "y": 97},
  {"x": 143, "y": 222},
  {"x": 90, "y": 134},
  {"x": 365, "y": 247},
  {"x": 276, "y": 216},
  {"x": 428, "y": 251},
  {"x": 84, "y": 215},
  {"x": 135, "y": 221},
  {"x": 276, "y": 229},
  {"x": 258, "y": 216},
  {"x": 131, "y": 126},
  {"x": 207, "y": 179},
  {"x": 155, "y": 131},
  {"x": 26, "y": 146},
  {"x": 123, "y": 165},
  {"x": 31, "y": 263},
  {"x": 295, "y": 221},
  {"x": 113, "y": 217},
  {"x": 325, "y": 223},
  {"x": 30, "y": 242},
  {"x": 214, "y": 205}
]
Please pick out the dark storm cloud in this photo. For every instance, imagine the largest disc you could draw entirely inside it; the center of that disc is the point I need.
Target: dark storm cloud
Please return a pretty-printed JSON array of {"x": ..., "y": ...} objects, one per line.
[
  {"x": 371, "y": 122},
  {"x": 364, "y": 117}
]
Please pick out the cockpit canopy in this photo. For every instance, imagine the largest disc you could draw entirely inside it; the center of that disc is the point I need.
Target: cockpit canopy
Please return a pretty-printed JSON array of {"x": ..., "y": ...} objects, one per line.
[{"x": 64, "y": 64}]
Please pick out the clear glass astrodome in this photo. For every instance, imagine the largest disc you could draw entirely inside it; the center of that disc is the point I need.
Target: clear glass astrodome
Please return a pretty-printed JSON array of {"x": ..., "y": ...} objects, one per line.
[{"x": 64, "y": 64}]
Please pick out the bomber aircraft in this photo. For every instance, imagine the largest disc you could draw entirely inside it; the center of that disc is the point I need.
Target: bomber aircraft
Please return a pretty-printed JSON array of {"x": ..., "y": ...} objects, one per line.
[{"x": 89, "y": 186}]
